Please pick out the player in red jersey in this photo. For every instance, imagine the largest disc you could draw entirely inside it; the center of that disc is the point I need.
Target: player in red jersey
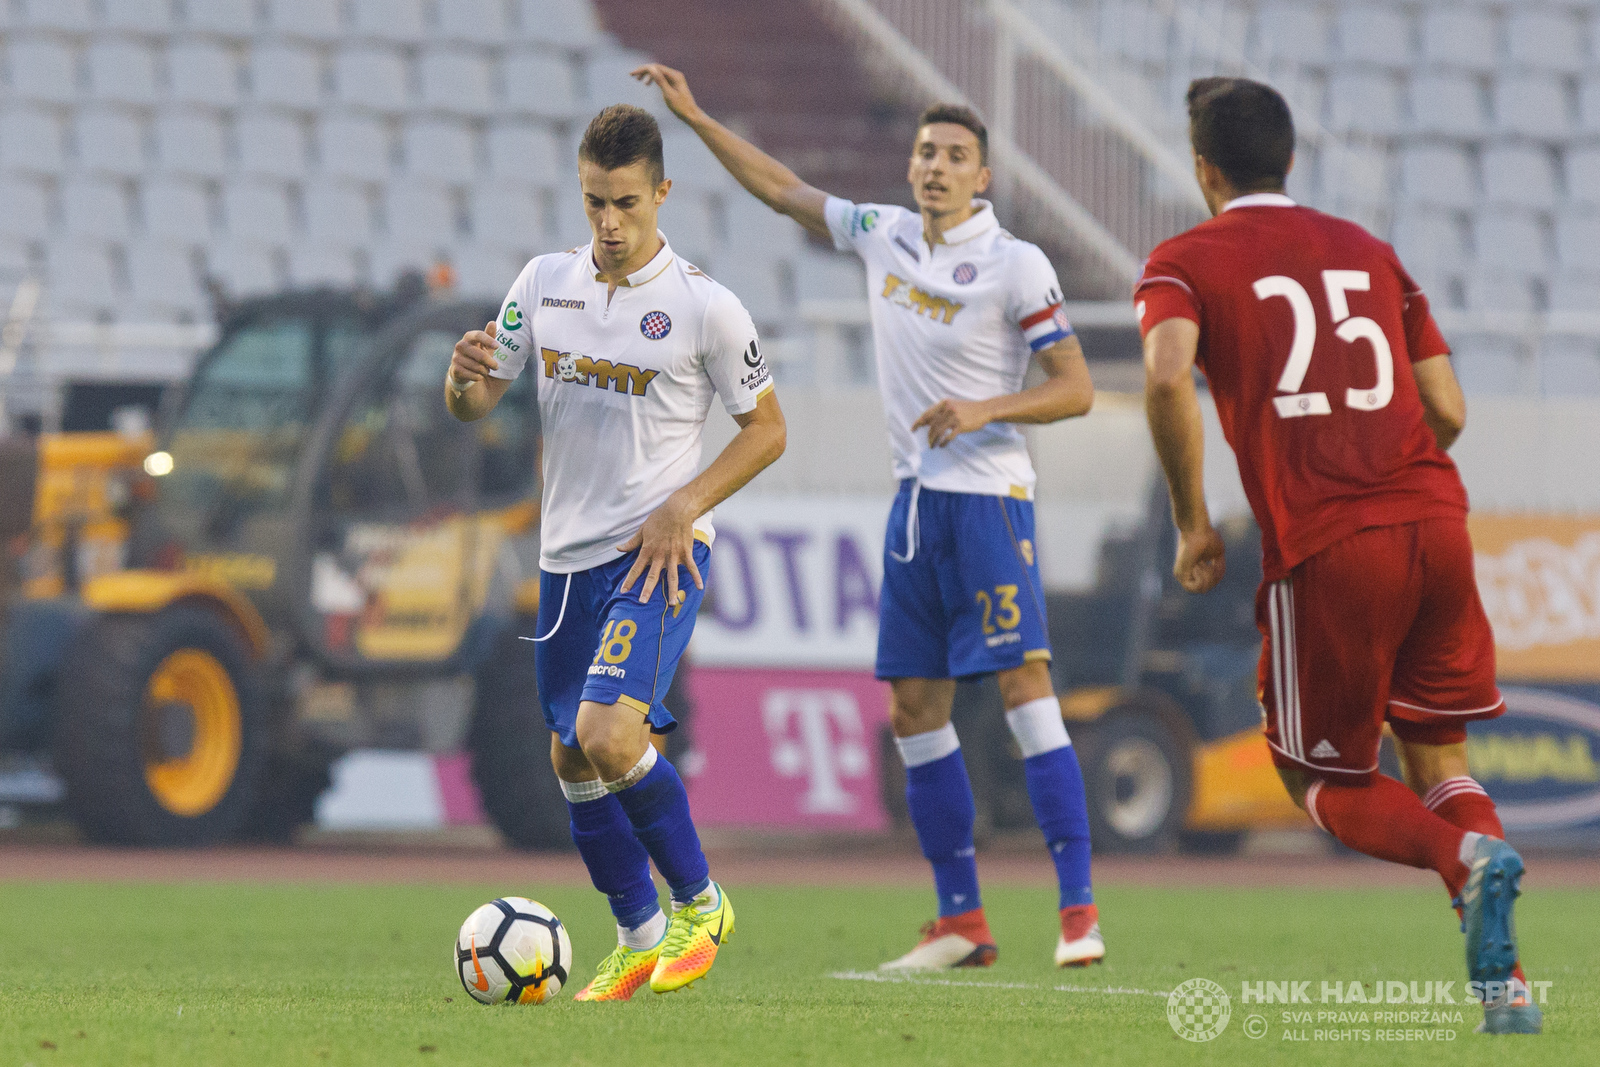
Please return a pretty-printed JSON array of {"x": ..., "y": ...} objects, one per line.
[{"x": 1334, "y": 387}]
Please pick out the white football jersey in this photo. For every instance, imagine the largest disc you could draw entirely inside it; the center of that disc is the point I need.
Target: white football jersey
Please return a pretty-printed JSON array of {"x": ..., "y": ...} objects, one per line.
[
  {"x": 959, "y": 320},
  {"x": 624, "y": 388}
]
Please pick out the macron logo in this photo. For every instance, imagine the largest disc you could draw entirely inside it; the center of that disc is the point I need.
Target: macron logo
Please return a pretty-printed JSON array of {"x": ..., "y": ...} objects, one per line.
[{"x": 561, "y": 302}]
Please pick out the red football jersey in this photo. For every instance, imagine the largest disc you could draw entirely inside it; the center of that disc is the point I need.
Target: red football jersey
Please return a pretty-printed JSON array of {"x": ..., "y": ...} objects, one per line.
[{"x": 1302, "y": 318}]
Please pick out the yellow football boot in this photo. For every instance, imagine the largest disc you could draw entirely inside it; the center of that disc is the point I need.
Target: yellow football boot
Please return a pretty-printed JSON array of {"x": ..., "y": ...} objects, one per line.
[
  {"x": 621, "y": 973},
  {"x": 693, "y": 937}
]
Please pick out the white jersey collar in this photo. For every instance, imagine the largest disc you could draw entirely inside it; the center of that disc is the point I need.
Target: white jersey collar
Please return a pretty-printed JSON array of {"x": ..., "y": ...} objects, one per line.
[
  {"x": 982, "y": 221},
  {"x": 649, "y": 272},
  {"x": 1259, "y": 200}
]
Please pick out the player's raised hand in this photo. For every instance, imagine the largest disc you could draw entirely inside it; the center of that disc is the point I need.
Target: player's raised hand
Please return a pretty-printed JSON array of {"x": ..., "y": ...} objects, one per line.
[
  {"x": 673, "y": 85},
  {"x": 1201, "y": 561},
  {"x": 473, "y": 357},
  {"x": 665, "y": 542},
  {"x": 949, "y": 419}
]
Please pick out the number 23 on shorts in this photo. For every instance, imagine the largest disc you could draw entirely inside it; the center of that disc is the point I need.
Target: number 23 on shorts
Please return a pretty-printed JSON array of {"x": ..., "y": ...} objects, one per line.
[
  {"x": 616, "y": 642},
  {"x": 1000, "y": 612}
]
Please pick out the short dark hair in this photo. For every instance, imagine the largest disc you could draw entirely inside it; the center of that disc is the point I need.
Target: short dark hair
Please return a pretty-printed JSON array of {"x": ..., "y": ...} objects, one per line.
[
  {"x": 960, "y": 115},
  {"x": 1244, "y": 129},
  {"x": 624, "y": 134}
]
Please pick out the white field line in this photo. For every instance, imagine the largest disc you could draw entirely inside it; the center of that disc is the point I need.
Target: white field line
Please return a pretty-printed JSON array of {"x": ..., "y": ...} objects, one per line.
[{"x": 898, "y": 979}]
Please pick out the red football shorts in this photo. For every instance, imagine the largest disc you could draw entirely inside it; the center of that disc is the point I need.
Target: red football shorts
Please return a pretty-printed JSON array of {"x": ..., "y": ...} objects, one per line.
[{"x": 1383, "y": 625}]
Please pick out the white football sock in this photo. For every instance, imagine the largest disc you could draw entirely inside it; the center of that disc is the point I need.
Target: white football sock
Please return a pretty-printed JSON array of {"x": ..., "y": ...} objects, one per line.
[
  {"x": 1469, "y": 848},
  {"x": 645, "y": 936},
  {"x": 1037, "y": 726},
  {"x": 925, "y": 748}
]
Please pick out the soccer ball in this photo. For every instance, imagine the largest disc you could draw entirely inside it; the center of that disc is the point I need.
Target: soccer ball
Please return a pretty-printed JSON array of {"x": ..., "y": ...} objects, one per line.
[{"x": 512, "y": 951}]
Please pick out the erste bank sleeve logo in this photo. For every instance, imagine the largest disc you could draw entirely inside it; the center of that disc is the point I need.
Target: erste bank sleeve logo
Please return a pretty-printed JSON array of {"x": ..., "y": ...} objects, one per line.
[
  {"x": 512, "y": 319},
  {"x": 863, "y": 221}
]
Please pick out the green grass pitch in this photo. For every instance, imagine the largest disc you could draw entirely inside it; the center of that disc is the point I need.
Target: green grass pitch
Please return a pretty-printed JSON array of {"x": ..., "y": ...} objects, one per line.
[{"x": 111, "y": 973}]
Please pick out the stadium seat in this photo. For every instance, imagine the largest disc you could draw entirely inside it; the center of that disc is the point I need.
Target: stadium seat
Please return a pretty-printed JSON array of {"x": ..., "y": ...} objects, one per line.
[
  {"x": 1569, "y": 366},
  {"x": 354, "y": 146},
  {"x": 121, "y": 71},
  {"x": 1578, "y": 241},
  {"x": 1492, "y": 289},
  {"x": 1364, "y": 102},
  {"x": 526, "y": 153},
  {"x": 473, "y": 21},
  {"x": 236, "y": 18},
  {"x": 1358, "y": 177},
  {"x": 1138, "y": 31},
  {"x": 754, "y": 225},
  {"x": 1486, "y": 365},
  {"x": 83, "y": 270},
  {"x": 1295, "y": 32},
  {"x": 1583, "y": 176},
  {"x": 609, "y": 82},
  {"x": 202, "y": 72},
  {"x": 41, "y": 68},
  {"x": 371, "y": 76},
  {"x": 1518, "y": 177},
  {"x": 316, "y": 20},
  {"x": 109, "y": 140},
  {"x": 560, "y": 22},
  {"x": 509, "y": 216},
  {"x": 440, "y": 149},
  {"x": 1438, "y": 176},
  {"x": 1575, "y": 292},
  {"x": 176, "y": 210},
  {"x": 539, "y": 81},
  {"x": 400, "y": 253},
  {"x": 1459, "y": 36},
  {"x": 189, "y": 143},
  {"x": 1589, "y": 106},
  {"x": 256, "y": 209},
  {"x": 690, "y": 163},
  {"x": 1430, "y": 241},
  {"x": 420, "y": 213},
  {"x": 94, "y": 207},
  {"x": 829, "y": 276},
  {"x": 315, "y": 263},
  {"x": 1510, "y": 240},
  {"x": 162, "y": 279},
  {"x": 457, "y": 78},
  {"x": 285, "y": 75},
  {"x": 338, "y": 214},
  {"x": 1446, "y": 104},
  {"x": 246, "y": 268},
  {"x": 389, "y": 20},
  {"x": 487, "y": 272},
  {"x": 271, "y": 143},
  {"x": 15, "y": 262},
  {"x": 1373, "y": 36},
  {"x": 1532, "y": 105},
  {"x": 59, "y": 14},
  {"x": 1544, "y": 39},
  {"x": 26, "y": 213},
  {"x": 30, "y": 140},
  {"x": 687, "y": 220},
  {"x": 143, "y": 16}
]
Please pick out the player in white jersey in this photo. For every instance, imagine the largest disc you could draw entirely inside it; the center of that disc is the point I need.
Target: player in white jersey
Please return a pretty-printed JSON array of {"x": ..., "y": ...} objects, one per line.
[
  {"x": 630, "y": 344},
  {"x": 959, "y": 306}
]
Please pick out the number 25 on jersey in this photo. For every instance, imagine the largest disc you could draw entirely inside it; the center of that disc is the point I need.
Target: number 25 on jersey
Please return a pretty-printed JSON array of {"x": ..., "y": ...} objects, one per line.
[{"x": 1338, "y": 283}]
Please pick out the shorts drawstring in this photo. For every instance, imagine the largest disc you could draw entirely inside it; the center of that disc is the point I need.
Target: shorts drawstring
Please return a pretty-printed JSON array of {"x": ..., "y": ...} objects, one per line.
[
  {"x": 559, "y": 615},
  {"x": 913, "y": 528}
]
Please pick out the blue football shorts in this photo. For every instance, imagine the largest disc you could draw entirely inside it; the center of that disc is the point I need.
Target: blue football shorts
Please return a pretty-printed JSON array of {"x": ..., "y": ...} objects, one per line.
[
  {"x": 598, "y": 643},
  {"x": 961, "y": 590}
]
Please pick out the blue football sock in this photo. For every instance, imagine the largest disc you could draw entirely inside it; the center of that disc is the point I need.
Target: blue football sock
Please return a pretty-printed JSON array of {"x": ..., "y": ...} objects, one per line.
[
  {"x": 658, "y": 808},
  {"x": 939, "y": 795},
  {"x": 618, "y": 864},
  {"x": 1055, "y": 786}
]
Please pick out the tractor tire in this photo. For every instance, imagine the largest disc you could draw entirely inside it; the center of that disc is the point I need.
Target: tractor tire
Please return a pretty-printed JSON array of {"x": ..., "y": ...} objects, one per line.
[
  {"x": 161, "y": 738},
  {"x": 1138, "y": 775},
  {"x": 510, "y": 748},
  {"x": 287, "y": 798}
]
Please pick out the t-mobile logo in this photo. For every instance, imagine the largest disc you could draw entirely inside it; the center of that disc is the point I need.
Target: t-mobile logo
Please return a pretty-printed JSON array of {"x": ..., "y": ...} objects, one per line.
[{"x": 817, "y": 733}]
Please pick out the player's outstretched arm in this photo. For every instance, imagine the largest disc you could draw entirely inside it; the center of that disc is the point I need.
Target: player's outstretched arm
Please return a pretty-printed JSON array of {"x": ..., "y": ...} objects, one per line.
[
  {"x": 1444, "y": 407},
  {"x": 666, "y": 541},
  {"x": 1065, "y": 393},
  {"x": 469, "y": 392},
  {"x": 1172, "y": 407},
  {"x": 768, "y": 180}
]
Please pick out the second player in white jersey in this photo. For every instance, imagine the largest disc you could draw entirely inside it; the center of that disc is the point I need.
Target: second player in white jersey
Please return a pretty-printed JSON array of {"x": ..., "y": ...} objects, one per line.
[
  {"x": 960, "y": 318},
  {"x": 625, "y": 384}
]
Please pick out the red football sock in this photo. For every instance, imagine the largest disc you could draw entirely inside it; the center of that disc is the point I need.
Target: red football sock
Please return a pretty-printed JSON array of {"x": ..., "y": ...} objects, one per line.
[
  {"x": 1462, "y": 802},
  {"x": 1384, "y": 819}
]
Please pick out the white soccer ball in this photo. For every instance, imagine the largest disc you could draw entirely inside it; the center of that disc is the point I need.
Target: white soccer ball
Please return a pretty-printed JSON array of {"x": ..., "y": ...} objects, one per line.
[{"x": 512, "y": 951}]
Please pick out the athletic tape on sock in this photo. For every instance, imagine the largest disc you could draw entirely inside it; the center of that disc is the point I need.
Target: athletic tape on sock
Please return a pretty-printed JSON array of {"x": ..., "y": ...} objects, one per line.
[
  {"x": 1311, "y": 804},
  {"x": 640, "y": 769},
  {"x": 925, "y": 748},
  {"x": 1469, "y": 848},
  {"x": 1037, "y": 726},
  {"x": 579, "y": 792}
]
